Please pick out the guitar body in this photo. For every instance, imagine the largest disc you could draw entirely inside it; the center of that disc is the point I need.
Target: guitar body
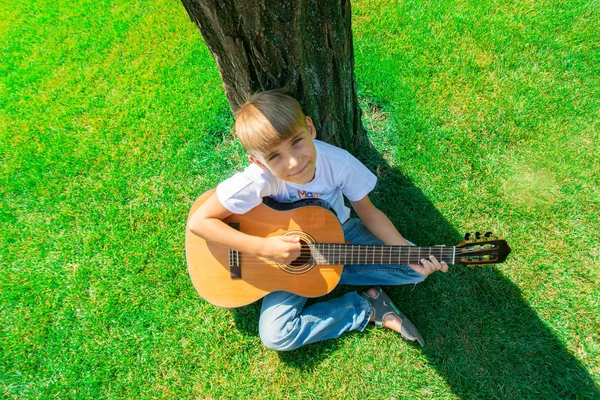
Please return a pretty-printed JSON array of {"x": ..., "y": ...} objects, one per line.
[{"x": 209, "y": 265}]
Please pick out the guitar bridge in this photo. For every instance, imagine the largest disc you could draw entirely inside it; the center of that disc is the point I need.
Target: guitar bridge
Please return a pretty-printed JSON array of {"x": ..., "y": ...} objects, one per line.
[{"x": 235, "y": 269}]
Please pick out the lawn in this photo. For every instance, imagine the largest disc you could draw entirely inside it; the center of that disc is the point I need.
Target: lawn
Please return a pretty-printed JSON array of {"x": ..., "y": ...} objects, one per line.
[{"x": 485, "y": 116}]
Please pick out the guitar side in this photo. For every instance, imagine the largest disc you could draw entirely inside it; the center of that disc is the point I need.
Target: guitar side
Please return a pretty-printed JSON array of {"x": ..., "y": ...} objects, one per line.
[{"x": 208, "y": 264}]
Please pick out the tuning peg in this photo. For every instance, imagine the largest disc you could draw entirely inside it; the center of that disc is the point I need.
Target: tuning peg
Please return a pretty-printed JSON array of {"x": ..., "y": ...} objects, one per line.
[
  {"x": 477, "y": 235},
  {"x": 488, "y": 234},
  {"x": 467, "y": 236}
]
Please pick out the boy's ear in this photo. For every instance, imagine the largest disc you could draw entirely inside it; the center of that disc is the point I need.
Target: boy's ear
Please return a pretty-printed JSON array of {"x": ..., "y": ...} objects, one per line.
[
  {"x": 257, "y": 162},
  {"x": 311, "y": 128}
]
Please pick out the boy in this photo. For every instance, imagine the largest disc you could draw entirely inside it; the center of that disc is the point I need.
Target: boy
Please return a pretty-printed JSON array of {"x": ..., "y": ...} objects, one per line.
[{"x": 288, "y": 163}]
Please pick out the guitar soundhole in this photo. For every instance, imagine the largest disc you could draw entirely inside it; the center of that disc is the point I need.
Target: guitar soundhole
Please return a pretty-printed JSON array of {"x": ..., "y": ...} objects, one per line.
[
  {"x": 304, "y": 263},
  {"x": 304, "y": 255}
]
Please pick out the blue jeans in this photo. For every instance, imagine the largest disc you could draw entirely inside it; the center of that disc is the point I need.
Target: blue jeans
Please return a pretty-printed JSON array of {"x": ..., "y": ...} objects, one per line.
[{"x": 285, "y": 324}]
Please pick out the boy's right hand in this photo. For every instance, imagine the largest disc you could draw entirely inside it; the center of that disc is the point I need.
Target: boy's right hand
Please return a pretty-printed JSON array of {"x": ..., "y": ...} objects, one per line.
[{"x": 281, "y": 249}]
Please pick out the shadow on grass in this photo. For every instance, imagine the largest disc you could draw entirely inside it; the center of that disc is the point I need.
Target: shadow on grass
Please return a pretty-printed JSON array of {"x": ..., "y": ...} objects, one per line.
[{"x": 480, "y": 334}]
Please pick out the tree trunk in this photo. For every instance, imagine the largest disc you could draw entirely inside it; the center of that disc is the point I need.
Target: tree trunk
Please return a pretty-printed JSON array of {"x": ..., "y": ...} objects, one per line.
[{"x": 304, "y": 45}]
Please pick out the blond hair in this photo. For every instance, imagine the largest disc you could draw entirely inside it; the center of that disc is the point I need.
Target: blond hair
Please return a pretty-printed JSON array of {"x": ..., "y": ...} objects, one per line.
[{"x": 267, "y": 119}]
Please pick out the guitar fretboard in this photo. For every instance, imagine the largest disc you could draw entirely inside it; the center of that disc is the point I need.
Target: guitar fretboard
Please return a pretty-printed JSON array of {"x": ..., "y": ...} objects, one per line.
[{"x": 349, "y": 254}]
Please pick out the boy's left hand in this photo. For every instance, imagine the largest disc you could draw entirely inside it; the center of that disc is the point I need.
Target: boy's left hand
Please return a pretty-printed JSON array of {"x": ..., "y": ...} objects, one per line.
[{"x": 428, "y": 267}]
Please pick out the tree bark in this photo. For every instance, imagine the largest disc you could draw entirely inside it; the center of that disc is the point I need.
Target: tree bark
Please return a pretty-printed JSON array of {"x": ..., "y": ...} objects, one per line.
[{"x": 303, "y": 45}]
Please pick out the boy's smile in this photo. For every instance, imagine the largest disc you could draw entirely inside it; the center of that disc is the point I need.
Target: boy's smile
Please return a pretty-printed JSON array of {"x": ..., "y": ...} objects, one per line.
[{"x": 294, "y": 159}]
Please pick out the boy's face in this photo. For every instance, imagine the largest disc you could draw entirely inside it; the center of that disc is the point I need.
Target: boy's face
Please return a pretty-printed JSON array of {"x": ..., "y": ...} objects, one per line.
[{"x": 294, "y": 159}]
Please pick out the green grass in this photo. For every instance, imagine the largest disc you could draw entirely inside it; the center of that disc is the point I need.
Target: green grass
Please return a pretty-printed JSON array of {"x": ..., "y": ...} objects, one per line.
[{"x": 113, "y": 119}]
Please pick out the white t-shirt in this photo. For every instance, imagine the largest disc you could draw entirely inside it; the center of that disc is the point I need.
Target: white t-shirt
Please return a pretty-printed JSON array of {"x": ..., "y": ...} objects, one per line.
[{"x": 338, "y": 173}]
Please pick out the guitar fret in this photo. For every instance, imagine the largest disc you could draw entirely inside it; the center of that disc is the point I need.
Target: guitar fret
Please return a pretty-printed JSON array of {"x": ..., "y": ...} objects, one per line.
[
  {"x": 332, "y": 253},
  {"x": 345, "y": 254}
]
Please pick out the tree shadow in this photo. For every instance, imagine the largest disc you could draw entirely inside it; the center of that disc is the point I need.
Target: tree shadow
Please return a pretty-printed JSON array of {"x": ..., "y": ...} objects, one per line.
[{"x": 481, "y": 335}]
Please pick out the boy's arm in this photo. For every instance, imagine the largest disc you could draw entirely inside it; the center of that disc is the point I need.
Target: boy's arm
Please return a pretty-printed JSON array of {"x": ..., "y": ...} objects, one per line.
[
  {"x": 207, "y": 222},
  {"x": 381, "y": 226}
]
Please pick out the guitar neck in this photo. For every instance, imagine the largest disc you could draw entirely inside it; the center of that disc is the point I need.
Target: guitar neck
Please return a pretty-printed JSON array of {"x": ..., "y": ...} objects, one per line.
[{"x": 349, "y": 254}]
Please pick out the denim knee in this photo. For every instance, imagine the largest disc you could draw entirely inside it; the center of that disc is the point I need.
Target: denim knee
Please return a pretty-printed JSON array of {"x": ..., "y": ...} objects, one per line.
[
  {"x": 279, "y": 322},
  {"x": 277, "y": 339}
]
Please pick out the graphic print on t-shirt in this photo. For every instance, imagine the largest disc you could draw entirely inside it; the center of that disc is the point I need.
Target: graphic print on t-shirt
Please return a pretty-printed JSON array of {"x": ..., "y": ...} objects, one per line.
[{"x": 303, "y": 194}]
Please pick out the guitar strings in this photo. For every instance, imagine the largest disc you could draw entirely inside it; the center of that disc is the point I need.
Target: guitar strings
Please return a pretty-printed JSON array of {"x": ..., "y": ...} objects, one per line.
[
  {"x": 324, "y": 263},
  {"x": 327, "y": 254}
]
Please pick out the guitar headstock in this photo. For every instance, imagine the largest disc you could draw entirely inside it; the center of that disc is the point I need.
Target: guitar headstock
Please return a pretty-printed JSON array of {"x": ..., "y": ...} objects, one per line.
[{"x": 482, "y": 250}]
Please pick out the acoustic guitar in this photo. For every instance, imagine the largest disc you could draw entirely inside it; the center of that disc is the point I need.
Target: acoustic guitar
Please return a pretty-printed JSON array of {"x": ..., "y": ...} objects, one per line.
[{"x": 228, "y": 278}]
